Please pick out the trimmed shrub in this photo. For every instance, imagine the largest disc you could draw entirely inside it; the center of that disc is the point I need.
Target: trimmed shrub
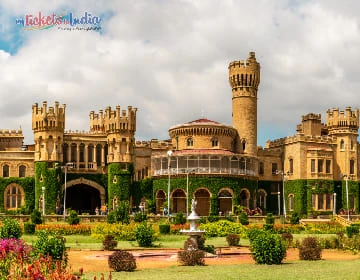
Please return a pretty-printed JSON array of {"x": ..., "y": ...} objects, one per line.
[
  {"x": 270, "y": 219},
  {"x": 295, "y": 219},
  {"x": 253, "y": 233},
  {"x": 29, "y": 228},
  {"x": 268, "y": 248},
  {"x": 164, "y": 229},
  {"x": 73, "y": 218},
  {"x": 352, "y": 230},
  {"x": 51, "y": 245},
  {"x": 243, "y": 218},
  {"x": 268, "y": 227},
  {"x": 109, "y": 243},
  {"x": 222, "y": 228},
  {"x": 310, "y": 249},
  {"x": 122, "y": 261},
  {"x": 191, "y": 257},
  {"x": 144, "y": 235},
  {"x": 213, "y": 218},
  {"x": 10, "y": 229},
  {"x": 233, "y": 239},
  {"x": 36, "y": 217},
  {"x": 111, "y": 218},
  {"x": 231, "y": 218},
  {"x": 179, "y": 219}
]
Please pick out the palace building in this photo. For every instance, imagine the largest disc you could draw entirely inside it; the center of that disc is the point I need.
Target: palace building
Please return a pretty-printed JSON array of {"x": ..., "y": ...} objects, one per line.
[{"x": 314, "y": 171}]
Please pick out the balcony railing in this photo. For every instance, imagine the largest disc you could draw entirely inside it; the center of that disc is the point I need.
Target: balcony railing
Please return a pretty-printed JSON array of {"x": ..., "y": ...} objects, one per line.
[{"x": 204, "y": 170}]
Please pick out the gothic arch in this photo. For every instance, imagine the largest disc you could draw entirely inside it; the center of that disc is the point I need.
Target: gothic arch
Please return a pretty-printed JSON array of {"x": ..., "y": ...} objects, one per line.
[
  {"x": 245, "y": 197},
  {"x": 225, "y": 200},
  {"x": 90, "y": 183},
  {"x": 202, "y": 196}
]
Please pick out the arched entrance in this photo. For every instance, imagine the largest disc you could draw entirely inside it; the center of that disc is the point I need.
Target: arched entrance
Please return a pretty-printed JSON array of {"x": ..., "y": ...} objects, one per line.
[
  {"x": 160, "y": 199},
  {"x": 84, "y": 195},
  {"x": 244, "y": 198},
  {"x": 202, "y": 196},
  {"x": 225, "y": 201},
  {"x": 178, "y": 201}
]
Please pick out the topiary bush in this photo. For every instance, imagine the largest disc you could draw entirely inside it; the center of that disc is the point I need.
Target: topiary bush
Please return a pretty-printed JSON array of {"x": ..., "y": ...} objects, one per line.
[
  {"x": 122, "y": 261},
  {"x": 267, "y": 248},
  {"x": 352, "y": 230},
  {"x": 213, "y": 218},
  {"x": 144, "y": 235},
  {"x": 310, "y": 249},
  {"x": 73, "y": 218},
  {"x": 253, "y": 233},
  {"x": 179, "y": 219},
  {"x": 10, "y": 229},
  {"x": 295, "y": 219},
  {"x": 29, "y": 228},
  {"x": 233, "y": 239},
  {"x": 109, "y": 243},
  {"x": 164, "y": 229},
  {"x": 243, "y": 218},
  {"x": 270, "y": 219},
  {"x": 36, "y": 217},
  {"x": 191, "y": 257}
]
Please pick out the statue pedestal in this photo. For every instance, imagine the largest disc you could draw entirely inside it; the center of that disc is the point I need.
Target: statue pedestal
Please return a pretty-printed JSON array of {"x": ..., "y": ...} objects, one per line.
[{"x": 193, "y": 232}]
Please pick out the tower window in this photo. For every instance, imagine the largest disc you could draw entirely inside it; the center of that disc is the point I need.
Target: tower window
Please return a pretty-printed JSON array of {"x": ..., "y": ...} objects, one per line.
[
  {"x": 22, "y": 171},
  {"x": 261, "y": 168},
  {"x": 328, "y": 166},
  {"x": 190, "y": 142},
  {"x": 291, "y": 166},
  {"x": 352, "y": 165},
  {"x": 214, "y": 142},
  {"x": 342, "y": 145},
  {"x": 313, "y": 166},
  {"x": 274, "y": 168},
  {"x": 243, "y": 144}
]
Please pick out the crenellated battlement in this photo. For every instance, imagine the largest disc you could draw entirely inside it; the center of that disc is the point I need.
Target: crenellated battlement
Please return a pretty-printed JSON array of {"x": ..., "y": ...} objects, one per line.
[
  {"x": 338, "y": 121},
  {"x": 312, "y": 116},
  {"x": 5, "y": 133},
  {"x": 244, "y": 74},
  {"x": 112, "y": 121},
  {"x": 44, "y": 118},
  {"x": 300, "y": 138}
]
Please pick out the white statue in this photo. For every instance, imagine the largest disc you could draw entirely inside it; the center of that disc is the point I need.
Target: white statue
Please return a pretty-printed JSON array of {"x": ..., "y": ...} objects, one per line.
[{"x": 193, "y": 205}]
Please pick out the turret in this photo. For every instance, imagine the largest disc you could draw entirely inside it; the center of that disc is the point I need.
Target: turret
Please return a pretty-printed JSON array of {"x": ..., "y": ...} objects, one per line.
[
  {"x": 48, "y": 125},
  {"x": 119, "y": 127},
  {"x": 244, "y": 78}
]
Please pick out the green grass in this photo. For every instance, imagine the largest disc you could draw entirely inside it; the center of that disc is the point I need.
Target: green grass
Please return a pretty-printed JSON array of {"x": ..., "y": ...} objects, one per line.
[{"x": 304, "y": 270}]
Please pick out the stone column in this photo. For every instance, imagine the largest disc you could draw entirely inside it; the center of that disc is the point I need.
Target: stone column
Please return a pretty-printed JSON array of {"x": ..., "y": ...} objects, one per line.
[{"x": 86, "y": 156}]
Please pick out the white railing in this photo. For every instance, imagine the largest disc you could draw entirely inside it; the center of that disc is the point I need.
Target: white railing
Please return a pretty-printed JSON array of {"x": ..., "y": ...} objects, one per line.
[{"x": 204, "y": 170}]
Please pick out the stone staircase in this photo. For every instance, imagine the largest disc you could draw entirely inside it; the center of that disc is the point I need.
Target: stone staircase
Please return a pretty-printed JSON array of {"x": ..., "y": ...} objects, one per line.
[{"x": 341, "y": 220}]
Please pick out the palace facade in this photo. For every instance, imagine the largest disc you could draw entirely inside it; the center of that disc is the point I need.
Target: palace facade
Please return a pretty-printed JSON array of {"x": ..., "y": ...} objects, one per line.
[{"x": 315, "y": 171}]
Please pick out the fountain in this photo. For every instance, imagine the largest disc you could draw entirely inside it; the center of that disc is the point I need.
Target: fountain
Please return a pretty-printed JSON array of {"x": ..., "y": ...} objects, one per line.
[{"x": 193, "y": 232}]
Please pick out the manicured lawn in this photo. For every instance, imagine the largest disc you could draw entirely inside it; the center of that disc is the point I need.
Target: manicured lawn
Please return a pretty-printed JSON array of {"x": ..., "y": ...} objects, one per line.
[{"x": 304, "y": 270}]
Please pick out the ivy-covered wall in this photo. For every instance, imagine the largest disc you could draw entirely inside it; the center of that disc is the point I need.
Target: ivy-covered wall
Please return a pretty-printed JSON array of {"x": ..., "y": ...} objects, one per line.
[
  {"x": 119, "y": 182},
  {"x": 353, "y": 190},
  {"x": 49, "y": 177}
]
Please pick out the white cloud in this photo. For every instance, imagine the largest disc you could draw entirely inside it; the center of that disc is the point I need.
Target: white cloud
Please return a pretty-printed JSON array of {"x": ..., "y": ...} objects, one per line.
[{"x": 169, "y": 59}]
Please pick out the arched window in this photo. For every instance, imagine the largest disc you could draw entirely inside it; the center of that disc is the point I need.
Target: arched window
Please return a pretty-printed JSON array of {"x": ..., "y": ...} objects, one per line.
[
  {"x": 291, "y": 166},
  {"x": 214, "y": 142},
  {"x": 22, "y": 171},
  {"x": 291, "y": 202},
  {"x": 262, "y": 199},
  {"x": 14, "y": 197},
  {"x": 342, "y": 145},
  {"x": 6, "y": 172},
  {"x": 243, "y": 144},
  {"x": 190, "y": 142}
]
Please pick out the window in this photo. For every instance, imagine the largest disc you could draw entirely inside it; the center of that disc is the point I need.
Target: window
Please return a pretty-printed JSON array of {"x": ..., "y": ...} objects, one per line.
[
  {"x": 6, "y": 171},
  {"x": 261, "y": 168},
  {"x": 313, "y": 166},
  {"x": 342, "y": 145},
  {"x": 214, "y": 142},
  {"x": 22, "y": 171},
  {"x": 243, "y": 145},
  {"x": 291, "y": 166},
  {"x": 322, "y": 201},
  {"x": 190, "y": 142},
  {"x": 262, "y": 199},
  {"x": 274, "y": 168},
  {"x": 320, "y": 165},
  {"x": 14, "y": 197},
  {"x": 352, "y": 164},
  {"x": 328, "y": 166},
  {"x": 291, "y": 202}
]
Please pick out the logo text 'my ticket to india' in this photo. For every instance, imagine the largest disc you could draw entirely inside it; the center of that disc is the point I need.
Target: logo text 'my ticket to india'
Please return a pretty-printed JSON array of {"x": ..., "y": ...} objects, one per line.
[{"x": 68, "y": 21}]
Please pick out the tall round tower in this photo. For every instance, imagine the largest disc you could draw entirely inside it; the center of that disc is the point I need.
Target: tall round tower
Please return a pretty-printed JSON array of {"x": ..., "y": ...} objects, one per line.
[{"x": 244, "y": 78}]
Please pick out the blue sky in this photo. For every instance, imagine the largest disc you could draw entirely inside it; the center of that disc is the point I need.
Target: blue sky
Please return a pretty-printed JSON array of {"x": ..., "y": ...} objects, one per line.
[{"x": 169, "y": 59}]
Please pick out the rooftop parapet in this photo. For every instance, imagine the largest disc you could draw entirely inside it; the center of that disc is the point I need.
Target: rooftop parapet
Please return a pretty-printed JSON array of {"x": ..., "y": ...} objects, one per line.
[
  {"x": 340, "y": 121},
  {"x": 48, "y": 118}
]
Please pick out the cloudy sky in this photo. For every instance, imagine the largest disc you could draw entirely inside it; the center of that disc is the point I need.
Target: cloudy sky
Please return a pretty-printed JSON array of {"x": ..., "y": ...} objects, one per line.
[{"x": 169, "y": 59}]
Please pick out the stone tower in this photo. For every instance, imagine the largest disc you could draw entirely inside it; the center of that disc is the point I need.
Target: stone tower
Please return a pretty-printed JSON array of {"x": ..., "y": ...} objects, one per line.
[
  {"x": 345, "y": 126},
  {"x": 48, "y": 125},
  {"x": 119, "y": 127},
  {"x": 244, "y": 78}
]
